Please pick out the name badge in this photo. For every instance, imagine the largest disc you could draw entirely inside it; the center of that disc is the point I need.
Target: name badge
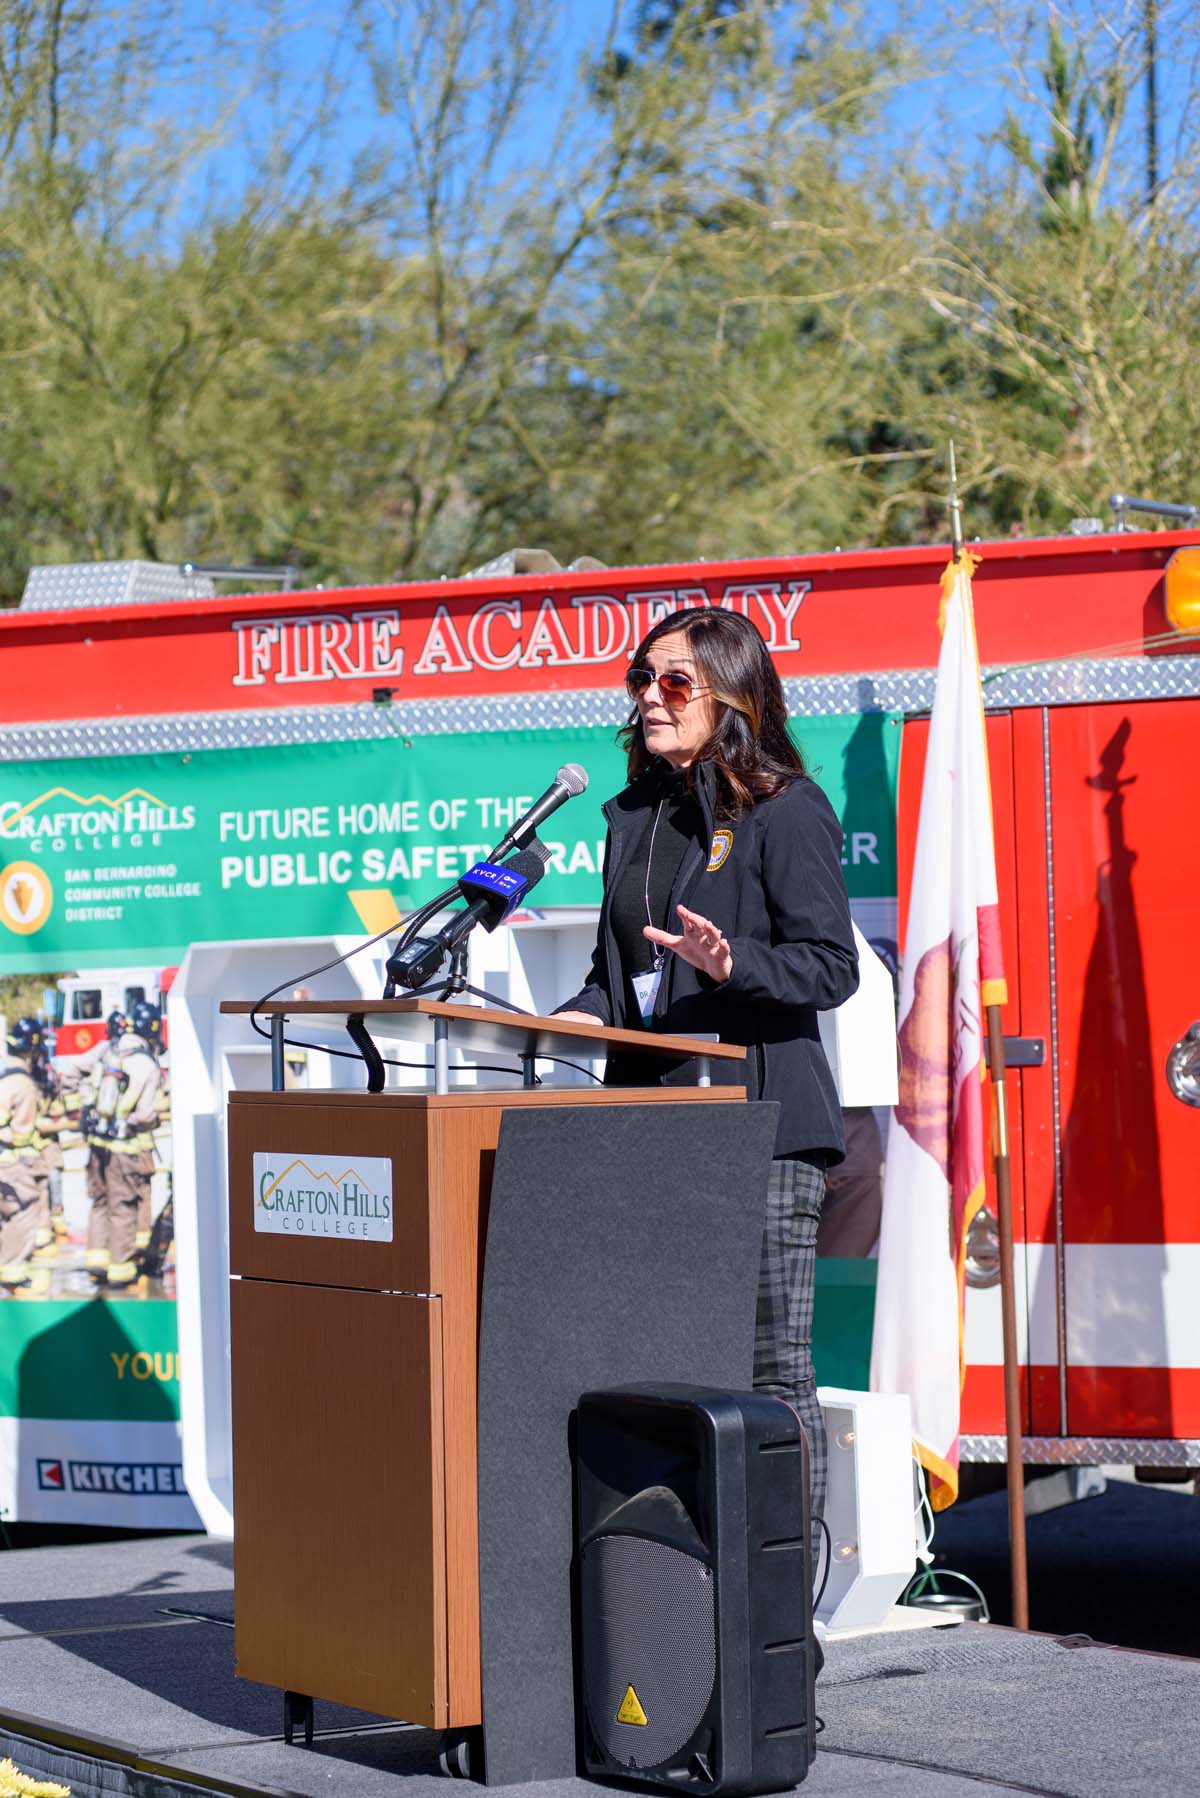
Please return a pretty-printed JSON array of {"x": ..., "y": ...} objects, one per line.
[{"x": 645, "y": 987}]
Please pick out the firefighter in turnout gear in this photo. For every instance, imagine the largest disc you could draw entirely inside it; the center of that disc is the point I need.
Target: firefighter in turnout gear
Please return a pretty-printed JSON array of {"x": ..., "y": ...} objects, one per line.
[
  {"x": 159, "y": 1250},
  {"x": 20, "y": 1153},
  {"x": 120, "y": 1088},
  {"x": 77, "y": 1074},
  {"x": 76, "y": 1077},
  {"x": 145, "y": 1021},
  {"x": 52, "y": 1120}
]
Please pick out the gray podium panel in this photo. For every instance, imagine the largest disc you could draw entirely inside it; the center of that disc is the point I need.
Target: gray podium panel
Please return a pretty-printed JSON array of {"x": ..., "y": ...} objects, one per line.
[{"x": 623, "y": 1244}]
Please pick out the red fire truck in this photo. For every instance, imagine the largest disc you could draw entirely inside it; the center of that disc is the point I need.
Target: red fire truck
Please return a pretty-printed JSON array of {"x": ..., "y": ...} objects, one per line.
[
  {"x": 85, "y": 1001},
  {"x": 1092, "y": 690}
]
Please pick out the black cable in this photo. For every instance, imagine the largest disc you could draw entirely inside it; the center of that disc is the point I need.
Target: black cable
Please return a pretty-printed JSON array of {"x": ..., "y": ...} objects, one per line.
[
  {"x": 479, "y": 1067},
  {"x": 411, "y": 926},
  {"x": 824, "y": 1529},
  {"x": 562, "y": 1062},
  {"x": 414, "y": 923}
]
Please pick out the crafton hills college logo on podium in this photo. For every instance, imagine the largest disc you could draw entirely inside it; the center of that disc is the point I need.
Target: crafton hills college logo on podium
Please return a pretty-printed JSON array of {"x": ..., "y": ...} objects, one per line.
[{"x": 308, "y": 1196}]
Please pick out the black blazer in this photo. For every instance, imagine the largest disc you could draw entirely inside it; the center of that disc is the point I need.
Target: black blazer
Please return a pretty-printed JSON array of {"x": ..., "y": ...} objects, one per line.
[{"x": 772, "y": 881}]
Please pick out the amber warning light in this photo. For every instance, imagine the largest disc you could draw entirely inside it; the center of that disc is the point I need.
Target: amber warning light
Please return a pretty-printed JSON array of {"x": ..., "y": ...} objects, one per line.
[{"x": 1183, "y": 589}]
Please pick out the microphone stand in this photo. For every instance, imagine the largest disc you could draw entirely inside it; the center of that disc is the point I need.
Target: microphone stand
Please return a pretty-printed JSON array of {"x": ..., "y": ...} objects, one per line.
[{"x": 456, "y": 981}]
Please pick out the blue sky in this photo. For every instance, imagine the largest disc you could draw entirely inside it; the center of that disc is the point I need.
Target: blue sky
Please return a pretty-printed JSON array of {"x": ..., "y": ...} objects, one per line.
[
  {"x": 975, "y": 75},
  {"x": 310, "y": 57}
]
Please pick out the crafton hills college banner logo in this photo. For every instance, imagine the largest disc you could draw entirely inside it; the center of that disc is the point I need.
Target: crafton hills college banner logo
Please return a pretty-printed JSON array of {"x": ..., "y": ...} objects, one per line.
[
  {"x": 26, "y": 897},
  {"x": 73, "y": 823}
]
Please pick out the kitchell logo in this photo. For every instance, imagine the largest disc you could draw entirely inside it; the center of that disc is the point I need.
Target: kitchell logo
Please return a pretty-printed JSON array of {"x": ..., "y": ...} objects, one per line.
[
  {"x": 309, "y": 1197},
  {"x": 129, "y": 1479},
  {"x": 63, "y": 819}
]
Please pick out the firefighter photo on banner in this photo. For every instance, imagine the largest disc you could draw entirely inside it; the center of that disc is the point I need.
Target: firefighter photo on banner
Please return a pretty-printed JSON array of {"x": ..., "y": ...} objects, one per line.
[
  {"x": 85, "y": 1157},
  {"x": 89, "y": 1362}
]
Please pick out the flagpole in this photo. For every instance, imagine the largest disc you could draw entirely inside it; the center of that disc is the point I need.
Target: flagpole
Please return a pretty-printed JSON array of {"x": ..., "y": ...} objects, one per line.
[
  {"x": 1018, "y": 1568},
  {"x": 1018, "y": 1565}
]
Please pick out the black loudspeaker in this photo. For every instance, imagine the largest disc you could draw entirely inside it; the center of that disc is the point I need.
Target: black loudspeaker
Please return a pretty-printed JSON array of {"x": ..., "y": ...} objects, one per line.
[{"x": 694, "y": 1565}]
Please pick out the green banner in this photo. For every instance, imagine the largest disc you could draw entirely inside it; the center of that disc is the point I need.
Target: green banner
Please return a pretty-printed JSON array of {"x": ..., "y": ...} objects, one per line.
[
  {"x": 88, "y": 1358},
  {"x": 126, "y": 858}
]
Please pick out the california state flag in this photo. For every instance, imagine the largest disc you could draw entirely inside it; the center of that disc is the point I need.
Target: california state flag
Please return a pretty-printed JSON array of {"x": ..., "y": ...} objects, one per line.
[{"x": 951, "y": 970}]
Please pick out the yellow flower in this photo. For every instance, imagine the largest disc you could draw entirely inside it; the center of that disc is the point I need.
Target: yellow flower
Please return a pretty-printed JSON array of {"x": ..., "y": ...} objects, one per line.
[{"x": 15, "y": 1784}]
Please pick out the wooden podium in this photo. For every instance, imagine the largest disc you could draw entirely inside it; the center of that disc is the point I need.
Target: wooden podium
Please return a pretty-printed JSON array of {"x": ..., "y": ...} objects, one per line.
[{"x": 372, "y": 1425}]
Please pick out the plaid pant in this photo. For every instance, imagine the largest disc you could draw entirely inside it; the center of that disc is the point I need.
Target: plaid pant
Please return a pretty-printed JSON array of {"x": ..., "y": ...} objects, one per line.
[{"x": 783, "y": 1322}]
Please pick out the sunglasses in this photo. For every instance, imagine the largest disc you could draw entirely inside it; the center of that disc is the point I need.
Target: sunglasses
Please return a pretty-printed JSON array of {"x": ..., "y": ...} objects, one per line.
[{"x": 676, "y": 689}]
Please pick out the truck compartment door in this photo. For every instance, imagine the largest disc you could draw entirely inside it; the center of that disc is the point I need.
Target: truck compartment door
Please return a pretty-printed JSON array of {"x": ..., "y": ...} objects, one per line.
[{"x": 1126, "y": 876}]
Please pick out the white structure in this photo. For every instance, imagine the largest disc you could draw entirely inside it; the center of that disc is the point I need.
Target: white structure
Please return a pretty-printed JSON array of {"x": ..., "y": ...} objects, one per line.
[
  {"x": 859, "y": 1038},
  {"x": 534, "y": 962},
  {"x": 211, "y": 1056},
  {"x": 868, "y": 1507}
]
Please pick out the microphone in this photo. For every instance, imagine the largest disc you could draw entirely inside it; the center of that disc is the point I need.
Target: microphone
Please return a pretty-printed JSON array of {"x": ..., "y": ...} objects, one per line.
[
  {"x": 568, "y": 783},
  {"x": 493, "y": 892}
]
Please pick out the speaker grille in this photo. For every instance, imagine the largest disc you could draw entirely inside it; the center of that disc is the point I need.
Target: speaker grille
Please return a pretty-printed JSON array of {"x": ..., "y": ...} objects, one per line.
[{"x": 649, "y": 1623}]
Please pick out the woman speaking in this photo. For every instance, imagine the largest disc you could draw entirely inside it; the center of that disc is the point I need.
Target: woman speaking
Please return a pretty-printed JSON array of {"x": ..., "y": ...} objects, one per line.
[{"x": 725, "y": 911}]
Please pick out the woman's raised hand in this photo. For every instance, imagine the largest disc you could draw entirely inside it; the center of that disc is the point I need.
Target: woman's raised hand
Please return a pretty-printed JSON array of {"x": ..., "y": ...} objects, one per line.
[{"x": 699, "y": 942}]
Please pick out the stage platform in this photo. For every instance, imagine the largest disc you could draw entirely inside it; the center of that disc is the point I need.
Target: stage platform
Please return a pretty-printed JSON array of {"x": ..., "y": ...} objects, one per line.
[{"x": 116, "y": 1678}]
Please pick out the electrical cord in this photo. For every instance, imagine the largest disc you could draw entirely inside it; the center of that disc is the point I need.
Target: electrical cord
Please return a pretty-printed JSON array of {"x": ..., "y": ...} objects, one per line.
[
  {"x": 927, "y": 1578},
  {"x": 562, "y": 1062},
  {"x": 817, "y": 1645},
  {"x": 824, "y": 1529},
  {"x": 411, "y": 927},
  {"x": 924, "y": 1517},
  {"x": 478, "y": 1067},
  {"x": 412, "y": 924},
  {"x": 930, "y": 1581}
]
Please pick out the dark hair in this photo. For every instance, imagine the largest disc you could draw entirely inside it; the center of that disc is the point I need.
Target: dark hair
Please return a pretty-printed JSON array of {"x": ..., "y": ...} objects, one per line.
[{"x": 750, "y": 748}]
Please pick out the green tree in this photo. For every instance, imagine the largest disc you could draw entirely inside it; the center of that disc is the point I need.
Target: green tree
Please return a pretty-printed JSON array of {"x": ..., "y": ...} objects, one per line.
[
  {"x": 740, "y": 350},
  {"x": 1067, "y": 316},
  {"x": 687, "y": 294}
]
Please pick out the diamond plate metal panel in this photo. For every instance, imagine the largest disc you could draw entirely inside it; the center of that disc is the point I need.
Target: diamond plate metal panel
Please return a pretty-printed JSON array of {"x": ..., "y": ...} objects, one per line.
[
  {"x": 1163, "y": 677},
  {"x": 1086, "y": 1451},
  {"x": 67, "y": 584},
  {"x": 309, "y": 724},
  {"x": 1091, "y": 681},
  {"x": 1082, "y": 682}
]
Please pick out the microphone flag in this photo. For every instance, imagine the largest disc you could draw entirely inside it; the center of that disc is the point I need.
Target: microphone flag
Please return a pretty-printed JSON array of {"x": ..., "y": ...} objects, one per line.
[{"x": 501, "y": 886}]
